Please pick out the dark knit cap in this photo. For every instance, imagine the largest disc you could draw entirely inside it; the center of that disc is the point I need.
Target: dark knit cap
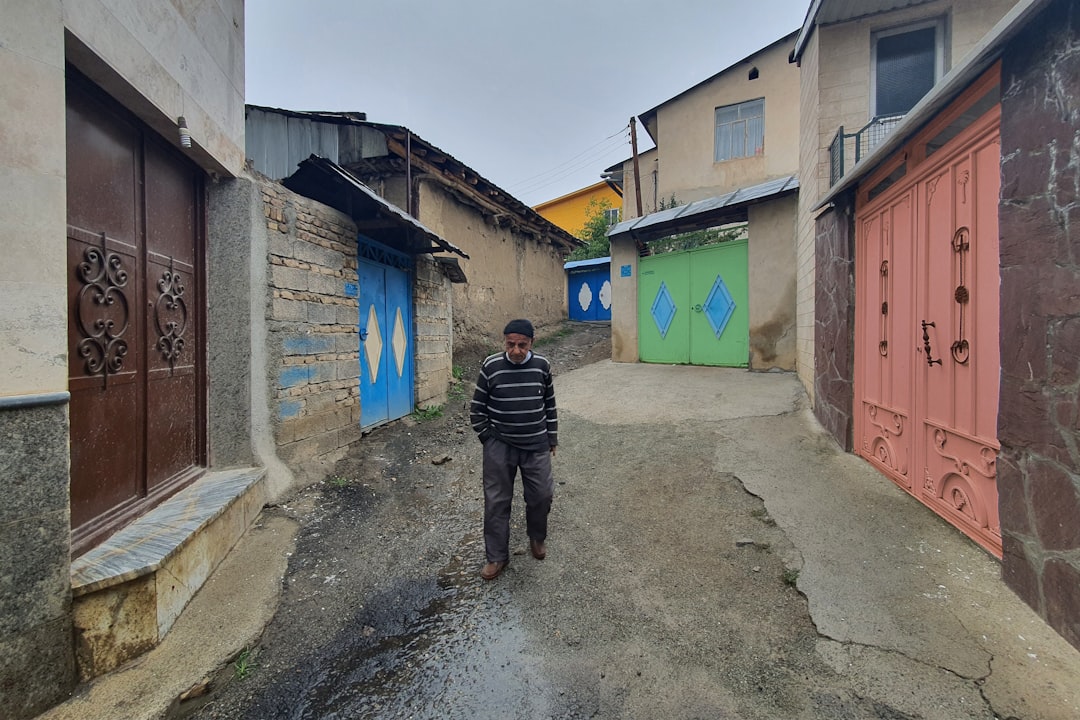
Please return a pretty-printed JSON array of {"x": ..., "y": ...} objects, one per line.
[{"x": 520, "y": 327}]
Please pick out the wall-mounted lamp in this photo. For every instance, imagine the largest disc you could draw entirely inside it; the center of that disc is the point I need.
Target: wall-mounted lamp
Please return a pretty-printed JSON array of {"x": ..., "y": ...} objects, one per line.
[{"x": 185, "y": 134}]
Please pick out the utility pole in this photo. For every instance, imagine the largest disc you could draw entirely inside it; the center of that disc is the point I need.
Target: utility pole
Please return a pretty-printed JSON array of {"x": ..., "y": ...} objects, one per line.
[{"x": 637, "y": 175}]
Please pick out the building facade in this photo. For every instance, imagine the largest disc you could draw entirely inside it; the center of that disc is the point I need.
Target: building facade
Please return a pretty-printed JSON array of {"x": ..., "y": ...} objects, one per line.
[
  {"x": 943, "y": 313},
  {"x": 114, "y": 112},
  {"x": 571, "y": 211},
  {"x": 853, "y": 60},
  {"x": 727, "y": 148}
]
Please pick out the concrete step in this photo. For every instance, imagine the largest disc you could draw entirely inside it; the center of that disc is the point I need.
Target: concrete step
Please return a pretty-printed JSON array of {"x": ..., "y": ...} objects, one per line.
[{"x": 128, "y": 591}]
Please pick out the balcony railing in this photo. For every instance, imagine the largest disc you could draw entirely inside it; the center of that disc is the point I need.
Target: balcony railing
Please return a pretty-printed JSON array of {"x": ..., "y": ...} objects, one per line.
[{"x": 858, "y": 144}]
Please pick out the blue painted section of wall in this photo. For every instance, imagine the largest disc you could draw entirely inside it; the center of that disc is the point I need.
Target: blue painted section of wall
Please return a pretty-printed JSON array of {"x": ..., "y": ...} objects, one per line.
[
  {"x": 308, "y": 345},
  {"x": 352, "y": 289},
  {"x": 289, "y": 408},
  {"x": 294, "y": 375}
]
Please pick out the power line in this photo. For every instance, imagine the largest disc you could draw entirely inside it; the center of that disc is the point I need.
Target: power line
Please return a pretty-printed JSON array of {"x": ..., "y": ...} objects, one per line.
[
  {"x": 542, "y": 182},
  {"x": 575, "y": 163}
]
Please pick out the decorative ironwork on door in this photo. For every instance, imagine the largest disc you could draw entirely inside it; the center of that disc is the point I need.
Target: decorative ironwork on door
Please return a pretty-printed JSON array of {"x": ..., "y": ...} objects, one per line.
[
  {"x": 961, "y": 244},
  {"x": 102, "y": 311},
  {"x": 170, "y": 315}
]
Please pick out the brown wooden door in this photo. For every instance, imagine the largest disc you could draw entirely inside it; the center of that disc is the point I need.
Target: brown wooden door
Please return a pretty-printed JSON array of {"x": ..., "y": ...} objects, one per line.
[{"x": 136, "y": 359}]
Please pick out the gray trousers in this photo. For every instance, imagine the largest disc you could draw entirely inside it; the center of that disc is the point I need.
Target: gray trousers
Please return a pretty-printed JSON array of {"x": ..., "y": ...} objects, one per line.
[{"x": 501, "y": 463}]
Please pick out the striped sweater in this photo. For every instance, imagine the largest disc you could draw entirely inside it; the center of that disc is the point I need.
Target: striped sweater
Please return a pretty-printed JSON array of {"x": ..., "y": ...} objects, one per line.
[{"x": 516, "y": 403}]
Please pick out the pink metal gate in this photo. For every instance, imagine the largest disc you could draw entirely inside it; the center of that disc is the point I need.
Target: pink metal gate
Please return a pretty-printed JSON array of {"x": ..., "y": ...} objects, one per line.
[{"x": 926, "y": 330}]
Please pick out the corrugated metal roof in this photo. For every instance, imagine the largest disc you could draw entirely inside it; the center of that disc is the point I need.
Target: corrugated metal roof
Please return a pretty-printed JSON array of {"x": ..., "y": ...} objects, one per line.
[
  {"x": 700, "y": 213},
  {"x": 329, "y": 183},
  {"x": 277, "y": 144}
]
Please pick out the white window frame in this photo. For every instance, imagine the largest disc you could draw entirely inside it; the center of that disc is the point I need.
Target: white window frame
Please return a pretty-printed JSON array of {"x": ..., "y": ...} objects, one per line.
[
  {"x": 937, "y": 23},
  {"x": 716, "y": 147},
  {"x": 611, "y": 215}
]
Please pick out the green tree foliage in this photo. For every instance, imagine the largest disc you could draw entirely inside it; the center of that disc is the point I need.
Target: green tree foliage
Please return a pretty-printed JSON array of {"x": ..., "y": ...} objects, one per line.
[
  {"x": 695, "y": 238},
  {"x": 594, "y": 233}
]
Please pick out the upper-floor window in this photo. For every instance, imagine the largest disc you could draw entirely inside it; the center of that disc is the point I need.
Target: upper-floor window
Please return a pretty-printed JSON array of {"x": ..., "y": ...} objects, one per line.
[
  {"x": 905, "y": 64},
  {"x": 740, "y": 130},
  {"x": 611, "y": 215}
]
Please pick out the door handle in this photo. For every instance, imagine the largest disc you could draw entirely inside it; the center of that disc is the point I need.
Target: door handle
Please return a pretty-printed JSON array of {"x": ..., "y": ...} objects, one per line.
[
  {"x": 926, "y": 344},
  {"x": 363, "y": 334},
  {"x": 696, "y": 308}
]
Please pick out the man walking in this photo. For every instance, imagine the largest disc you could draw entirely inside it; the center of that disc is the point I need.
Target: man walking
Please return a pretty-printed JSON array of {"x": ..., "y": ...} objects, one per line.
[{"x": 513, "y": 412}]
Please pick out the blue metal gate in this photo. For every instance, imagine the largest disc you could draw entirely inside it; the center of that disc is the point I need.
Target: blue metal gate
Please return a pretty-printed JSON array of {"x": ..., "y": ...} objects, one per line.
[
  {"x": 386, "y": 337},
  {"x": 588, "y": 285}
]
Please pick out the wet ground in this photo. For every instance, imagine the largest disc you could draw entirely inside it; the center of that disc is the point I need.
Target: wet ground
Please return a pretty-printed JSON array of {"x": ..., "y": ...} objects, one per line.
[
  {"x": 668, "y": 591},
  {"x": 383, "y": 612}
]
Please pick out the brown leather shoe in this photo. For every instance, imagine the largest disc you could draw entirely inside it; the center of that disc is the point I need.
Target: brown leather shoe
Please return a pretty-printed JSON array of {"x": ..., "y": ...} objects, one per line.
[
  {"x": 537, "y": 548},
  {"x": 493, "y": 569}
]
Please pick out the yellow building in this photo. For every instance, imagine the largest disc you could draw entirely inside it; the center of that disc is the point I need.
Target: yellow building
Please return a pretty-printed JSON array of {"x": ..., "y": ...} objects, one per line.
[{"x": 569, "y": 211}]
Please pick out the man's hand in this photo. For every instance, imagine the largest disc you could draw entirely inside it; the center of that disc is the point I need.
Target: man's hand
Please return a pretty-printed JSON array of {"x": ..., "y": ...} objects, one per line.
[{"x": 553, "y": 448}]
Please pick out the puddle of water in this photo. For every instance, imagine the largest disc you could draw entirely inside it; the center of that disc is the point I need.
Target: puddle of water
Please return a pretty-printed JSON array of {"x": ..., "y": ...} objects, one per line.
[{"x": 462, "y": 654}]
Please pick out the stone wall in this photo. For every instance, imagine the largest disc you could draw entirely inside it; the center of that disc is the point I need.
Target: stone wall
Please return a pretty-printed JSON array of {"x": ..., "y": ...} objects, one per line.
[
  {"x": 433, "y": 321},
  {"x": 834, "y": 323},
  {"x": 1039, "y": 416},
  {"x": 37, "y": 663},
  {"x": 312, "y": 343}
]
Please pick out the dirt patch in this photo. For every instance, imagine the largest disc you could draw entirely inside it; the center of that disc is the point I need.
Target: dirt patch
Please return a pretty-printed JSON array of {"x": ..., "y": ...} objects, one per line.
[{"x": 567, "y": 345}]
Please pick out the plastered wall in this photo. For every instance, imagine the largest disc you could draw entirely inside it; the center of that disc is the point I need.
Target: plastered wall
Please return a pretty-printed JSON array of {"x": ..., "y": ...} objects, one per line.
[
  {"x": 771, "y": 256},
  {"x": 686, "y": 130},
  {"x": 509, "y": 275}
]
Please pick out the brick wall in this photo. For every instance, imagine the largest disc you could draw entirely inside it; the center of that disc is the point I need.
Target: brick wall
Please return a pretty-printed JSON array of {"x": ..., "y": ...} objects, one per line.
[
  {"x": 1039, "y": 415},
  {"x": 312, "y": 319},
  {"x": 834, "y": 323}
]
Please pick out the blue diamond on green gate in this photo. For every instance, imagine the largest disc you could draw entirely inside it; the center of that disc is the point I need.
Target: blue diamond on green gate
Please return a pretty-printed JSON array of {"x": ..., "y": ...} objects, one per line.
[
  {"x": 663, "y": 310},
  {"x": 719, "y": 306}
]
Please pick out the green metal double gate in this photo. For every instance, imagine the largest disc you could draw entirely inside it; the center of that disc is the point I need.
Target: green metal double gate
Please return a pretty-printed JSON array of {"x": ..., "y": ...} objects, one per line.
[{"x": 693, "y": 306}]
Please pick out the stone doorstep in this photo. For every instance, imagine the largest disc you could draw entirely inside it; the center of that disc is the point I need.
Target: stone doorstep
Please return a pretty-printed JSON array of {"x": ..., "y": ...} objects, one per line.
[{"x": 128, "y": 591}]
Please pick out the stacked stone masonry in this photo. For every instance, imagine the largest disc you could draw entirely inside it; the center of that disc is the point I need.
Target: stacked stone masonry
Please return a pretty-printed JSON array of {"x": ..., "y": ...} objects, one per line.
[
  {"x": 834, "y": 392},
  {"x": 312, "y": 324},
  {"x": 432, "y": 317}
]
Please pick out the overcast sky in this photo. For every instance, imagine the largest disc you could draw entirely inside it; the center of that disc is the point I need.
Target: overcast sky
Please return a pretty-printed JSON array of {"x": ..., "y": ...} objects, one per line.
[{"x": 535, "y": 95}]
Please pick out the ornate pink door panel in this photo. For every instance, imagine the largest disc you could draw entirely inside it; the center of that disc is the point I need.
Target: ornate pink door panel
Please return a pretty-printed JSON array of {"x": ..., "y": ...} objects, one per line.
[
  {"x": 957, "y": 289},
  {"x": 926, "y": 331},
  {"x": 884, "y": 313}
]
